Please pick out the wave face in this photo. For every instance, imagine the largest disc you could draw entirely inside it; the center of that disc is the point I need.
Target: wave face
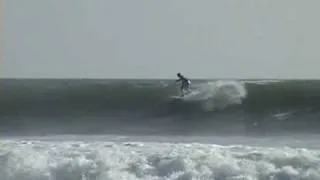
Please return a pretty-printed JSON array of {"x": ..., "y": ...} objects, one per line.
[
  {"x": 95, "y": 96},
  {"x": 251, "y": 101}
]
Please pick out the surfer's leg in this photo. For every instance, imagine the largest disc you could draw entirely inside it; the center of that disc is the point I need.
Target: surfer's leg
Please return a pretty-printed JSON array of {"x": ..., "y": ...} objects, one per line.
[
  {"x": 181, "y": 91},
  {"x": 185, "y": 87}
]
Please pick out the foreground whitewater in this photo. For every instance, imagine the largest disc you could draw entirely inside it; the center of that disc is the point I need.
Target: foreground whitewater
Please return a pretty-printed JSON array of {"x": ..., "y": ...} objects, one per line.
[{"x": 97, "y": 158}]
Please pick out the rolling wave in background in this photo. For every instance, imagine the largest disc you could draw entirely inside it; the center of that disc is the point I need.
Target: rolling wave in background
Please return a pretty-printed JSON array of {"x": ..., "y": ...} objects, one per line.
[
  {"x": 101, "y": 106},
  {"x": 110, "y": 95},
  {"x": 122, "y": 96},
  {"x": 109, "y": 106}
]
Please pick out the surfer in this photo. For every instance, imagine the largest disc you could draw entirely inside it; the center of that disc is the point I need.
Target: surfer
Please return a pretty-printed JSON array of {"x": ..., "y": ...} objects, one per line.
[{"x": 184, "y": 83}]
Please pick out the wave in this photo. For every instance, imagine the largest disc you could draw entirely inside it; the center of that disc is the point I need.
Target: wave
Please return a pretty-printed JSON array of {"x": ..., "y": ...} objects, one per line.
[
  {"x": 147, "y": 106},
  {"x": 40, "y": 96}
]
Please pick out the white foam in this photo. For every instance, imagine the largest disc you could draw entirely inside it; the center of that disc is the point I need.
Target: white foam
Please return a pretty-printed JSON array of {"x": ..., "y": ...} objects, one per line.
[
  {"x": 78, "y": 160},
  {"x": 262, "y": 81},
  {"x": 219, "y": 94}
]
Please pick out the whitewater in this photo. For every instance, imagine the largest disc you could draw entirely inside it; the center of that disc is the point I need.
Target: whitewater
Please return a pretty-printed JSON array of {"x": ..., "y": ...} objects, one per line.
[
  {"x": 103, "y": 157},
  {"x": 131, "y": 129}
]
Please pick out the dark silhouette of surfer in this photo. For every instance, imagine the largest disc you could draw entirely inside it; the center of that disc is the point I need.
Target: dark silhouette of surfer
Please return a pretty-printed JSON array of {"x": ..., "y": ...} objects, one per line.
[{"x": 185, "y": 82}]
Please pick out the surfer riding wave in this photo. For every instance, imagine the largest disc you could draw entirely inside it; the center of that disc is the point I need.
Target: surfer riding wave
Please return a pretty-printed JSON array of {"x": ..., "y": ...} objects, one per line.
[{"x": 185, "y": 83}]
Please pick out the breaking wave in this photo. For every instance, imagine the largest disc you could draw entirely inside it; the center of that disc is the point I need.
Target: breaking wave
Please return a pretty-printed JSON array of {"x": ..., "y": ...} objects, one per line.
[
  {"x": 93, "y": 106},
  {"x": 27, "y": 96},
  {"x": 119, "y": 96}
]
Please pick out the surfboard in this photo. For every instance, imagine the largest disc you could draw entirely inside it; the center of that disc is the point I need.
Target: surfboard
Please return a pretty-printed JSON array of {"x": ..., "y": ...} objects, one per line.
[
  {"x": 176, "y": 97},
  {"x": 191, "y": 96},
  {"x": 185, "y": 97}
]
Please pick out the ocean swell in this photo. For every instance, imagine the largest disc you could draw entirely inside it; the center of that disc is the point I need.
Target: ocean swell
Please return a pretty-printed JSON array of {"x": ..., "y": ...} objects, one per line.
[
  {"x": 118, "y": 96},
  {"x": 141, "y": 106},
  {"x": 63, "y": 96}
]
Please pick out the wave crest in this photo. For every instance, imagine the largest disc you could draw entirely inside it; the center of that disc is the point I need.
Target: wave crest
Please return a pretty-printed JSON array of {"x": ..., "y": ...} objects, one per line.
[{"x": 220, "y": 94}]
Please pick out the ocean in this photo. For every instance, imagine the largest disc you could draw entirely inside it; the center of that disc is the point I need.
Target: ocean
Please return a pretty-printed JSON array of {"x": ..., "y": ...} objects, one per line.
[{"x": 102, "y": 129}]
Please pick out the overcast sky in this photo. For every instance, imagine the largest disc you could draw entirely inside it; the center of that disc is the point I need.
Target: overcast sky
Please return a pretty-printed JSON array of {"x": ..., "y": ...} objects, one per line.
[{"x": 158, "y": 38}]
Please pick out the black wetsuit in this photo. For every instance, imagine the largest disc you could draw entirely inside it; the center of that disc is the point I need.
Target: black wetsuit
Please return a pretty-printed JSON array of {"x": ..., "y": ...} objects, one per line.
[{"x": 184, "y": 83}]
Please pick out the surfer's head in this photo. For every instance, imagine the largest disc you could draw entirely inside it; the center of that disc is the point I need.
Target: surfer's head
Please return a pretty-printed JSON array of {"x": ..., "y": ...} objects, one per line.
[{"x": 178, "y": 74}]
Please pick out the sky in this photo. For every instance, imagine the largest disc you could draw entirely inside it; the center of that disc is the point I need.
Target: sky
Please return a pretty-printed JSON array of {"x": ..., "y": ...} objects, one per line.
[{"x": 156, "y": 39}]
